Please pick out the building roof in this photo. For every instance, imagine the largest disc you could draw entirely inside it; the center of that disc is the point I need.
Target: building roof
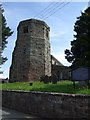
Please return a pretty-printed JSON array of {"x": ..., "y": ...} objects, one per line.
[{"x": 58, "y": 62}]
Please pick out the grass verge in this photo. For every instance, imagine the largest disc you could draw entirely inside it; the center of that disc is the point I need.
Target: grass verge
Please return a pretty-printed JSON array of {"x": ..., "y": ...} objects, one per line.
[{"x": 60, "y": 87}]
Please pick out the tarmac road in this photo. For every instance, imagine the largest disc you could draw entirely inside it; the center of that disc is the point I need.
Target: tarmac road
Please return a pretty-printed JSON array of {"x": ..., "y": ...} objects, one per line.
[{"x": 9, "y": 114}]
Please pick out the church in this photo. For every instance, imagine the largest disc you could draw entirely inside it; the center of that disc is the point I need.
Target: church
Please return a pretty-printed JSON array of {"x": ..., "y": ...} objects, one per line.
[{"x": 32, "y": 57}]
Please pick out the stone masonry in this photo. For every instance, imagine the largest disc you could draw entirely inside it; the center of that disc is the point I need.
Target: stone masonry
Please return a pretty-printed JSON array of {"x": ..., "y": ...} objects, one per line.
[
  {"x": 57, "y": 106},
  {"x": 31, "y": 57}
]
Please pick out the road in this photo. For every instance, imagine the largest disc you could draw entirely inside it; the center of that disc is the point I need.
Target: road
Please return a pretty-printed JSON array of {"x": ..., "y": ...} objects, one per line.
[{"x": 9, "y": 114}]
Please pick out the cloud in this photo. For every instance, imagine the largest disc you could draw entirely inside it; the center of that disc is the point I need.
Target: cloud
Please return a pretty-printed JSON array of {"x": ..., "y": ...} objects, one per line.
[
  {"x": 59, "y": 29},
  {"x": 52, "y": 34},
  {"x": 84, "y": 9},
  {"x": 2, "y": 76},
  {"x": 5, "y": 69}
]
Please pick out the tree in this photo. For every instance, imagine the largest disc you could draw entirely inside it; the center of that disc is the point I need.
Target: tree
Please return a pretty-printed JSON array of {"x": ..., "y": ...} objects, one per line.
[
  {"x": 79, "y": 53},
  {"x": 5, "y": 32}
]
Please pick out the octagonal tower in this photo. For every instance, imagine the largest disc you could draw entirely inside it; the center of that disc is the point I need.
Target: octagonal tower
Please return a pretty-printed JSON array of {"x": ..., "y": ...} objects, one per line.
[{"x": 31, "y": 57}]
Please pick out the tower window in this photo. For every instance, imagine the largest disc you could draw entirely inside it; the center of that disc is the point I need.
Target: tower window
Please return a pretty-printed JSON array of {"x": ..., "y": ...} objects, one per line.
[
  {"x": 24, "y": 50},
  {"x": 47, "y": 33},
  {"x": 25, "y": 29}
]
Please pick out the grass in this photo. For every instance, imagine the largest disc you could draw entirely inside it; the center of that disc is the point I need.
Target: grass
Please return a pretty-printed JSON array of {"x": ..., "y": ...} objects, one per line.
[{"x": 60, "y": 87}]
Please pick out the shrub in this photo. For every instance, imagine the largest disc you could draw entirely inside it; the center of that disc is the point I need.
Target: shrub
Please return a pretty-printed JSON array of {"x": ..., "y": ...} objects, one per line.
[
  {"x": 31, "y": 83},
  {"x": 54, "y": 79},
  {"x": 45, "y": 79}
]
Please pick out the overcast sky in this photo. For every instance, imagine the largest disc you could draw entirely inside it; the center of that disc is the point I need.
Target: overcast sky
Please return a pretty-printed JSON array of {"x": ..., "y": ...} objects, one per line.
[{"x": 61, "y": 25}]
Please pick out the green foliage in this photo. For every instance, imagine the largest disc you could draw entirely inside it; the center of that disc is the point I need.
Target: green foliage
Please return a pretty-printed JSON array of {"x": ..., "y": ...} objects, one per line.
[
  {"x": 6, "y": 32},
  {"x": 79, "y": 53},
  {"x": 47, "y": 79},
  {"x": 54, "y": 79},
  {"x": 60, "y": 87},
  {"x": 44, "y": 79}
]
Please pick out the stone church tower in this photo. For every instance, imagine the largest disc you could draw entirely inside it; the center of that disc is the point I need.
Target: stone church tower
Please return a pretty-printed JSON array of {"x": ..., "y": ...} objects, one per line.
[{"x": 31, "y": 57}]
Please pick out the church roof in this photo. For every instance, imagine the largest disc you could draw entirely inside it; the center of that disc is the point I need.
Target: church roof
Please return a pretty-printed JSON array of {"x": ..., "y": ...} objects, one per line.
[{"x": 56, "y": 62}]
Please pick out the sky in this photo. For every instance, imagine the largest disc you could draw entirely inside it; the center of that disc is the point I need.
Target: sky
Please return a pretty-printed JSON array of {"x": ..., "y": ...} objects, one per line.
[{"x": 61, "y": 25}]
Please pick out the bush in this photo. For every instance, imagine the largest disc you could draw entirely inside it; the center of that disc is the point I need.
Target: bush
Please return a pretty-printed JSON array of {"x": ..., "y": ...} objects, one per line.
[
  {"x": 31, "y": 83},
  {"x": 54, "y": 79},
  {"x": 45, "y": 79}
]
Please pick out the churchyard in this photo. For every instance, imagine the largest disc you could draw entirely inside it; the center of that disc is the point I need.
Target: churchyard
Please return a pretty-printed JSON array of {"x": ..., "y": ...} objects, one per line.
[{"x": 60, "y": 87}]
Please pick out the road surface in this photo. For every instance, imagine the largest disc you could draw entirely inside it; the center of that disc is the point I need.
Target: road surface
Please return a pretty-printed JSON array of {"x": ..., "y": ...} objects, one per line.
[{"x": 9, "y": 114}]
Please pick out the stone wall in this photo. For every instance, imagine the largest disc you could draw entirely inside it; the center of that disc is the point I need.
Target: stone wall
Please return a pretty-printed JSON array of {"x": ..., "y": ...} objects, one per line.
[
  {"x": 62, "y": 72},
  {"x": 48, "y": 105},
  {"x": 31, "y": 57}
]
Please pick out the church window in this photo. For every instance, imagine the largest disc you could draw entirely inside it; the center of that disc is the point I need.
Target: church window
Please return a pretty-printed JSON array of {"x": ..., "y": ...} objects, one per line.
[{"x": 25, "y": 29}]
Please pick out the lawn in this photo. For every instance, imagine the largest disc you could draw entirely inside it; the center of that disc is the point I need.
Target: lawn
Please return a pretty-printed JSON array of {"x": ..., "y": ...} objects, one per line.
[{"x": 60, "y": 87}]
